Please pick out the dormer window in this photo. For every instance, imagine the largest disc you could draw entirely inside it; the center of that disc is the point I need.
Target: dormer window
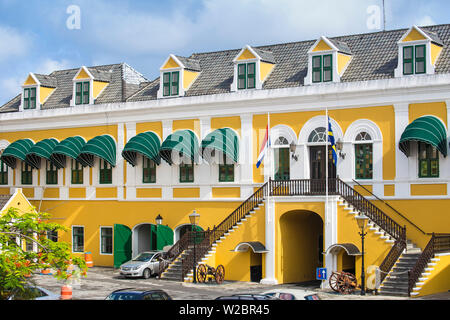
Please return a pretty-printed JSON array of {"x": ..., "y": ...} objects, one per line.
[
  {"x": 327, "y": 61},
  {"x": 29, "y": 98},
  {"x": 82, "y": 94},
  {"x": 252, "y": 66},
  {"x": 246, "y": 75},
  {"x": 414, "y": 59},
  {"x": 171, "y": 83},
  {"x": 418, "y": 51},
  {"x": 177, "y": 75},
  {"x": 322, "y": 68}
]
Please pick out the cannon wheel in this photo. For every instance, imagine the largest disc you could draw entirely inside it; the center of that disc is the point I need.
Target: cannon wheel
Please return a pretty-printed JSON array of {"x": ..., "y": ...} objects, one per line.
[
  {"x": 334, "y": 281},
  {"x": 349, "y": 283},
  {"x": 201, "y": 273},
  {"x": 220, "y": 274}
]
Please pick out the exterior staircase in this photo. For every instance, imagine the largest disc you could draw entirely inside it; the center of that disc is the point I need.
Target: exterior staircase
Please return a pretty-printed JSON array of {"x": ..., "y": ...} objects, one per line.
[
  {"x": 403, "y": 259},
  {"x": 396, "y": 282}
]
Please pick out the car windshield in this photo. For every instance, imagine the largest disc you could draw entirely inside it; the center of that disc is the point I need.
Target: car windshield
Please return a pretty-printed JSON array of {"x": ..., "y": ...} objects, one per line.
[
  {"x": 124, "y": 296},
  {"x": 144, "y": 257}
]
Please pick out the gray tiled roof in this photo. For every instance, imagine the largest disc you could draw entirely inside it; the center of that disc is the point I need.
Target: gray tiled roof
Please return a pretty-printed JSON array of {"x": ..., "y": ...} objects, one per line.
[
  {"x": 4, "y": 200},
  {"x": 374, "y": 56},
  {"x": 123, "y": 81},
  {"x": 190, "y": 64},
  {"x": 46, "y": 81}
]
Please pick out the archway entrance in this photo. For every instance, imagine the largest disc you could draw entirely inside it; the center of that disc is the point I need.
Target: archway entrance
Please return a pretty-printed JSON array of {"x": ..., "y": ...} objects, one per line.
[
  {"x": 144, "y": 238},
  {"x": 181, "y": 230},
  {"x": 301, "y": 245}
]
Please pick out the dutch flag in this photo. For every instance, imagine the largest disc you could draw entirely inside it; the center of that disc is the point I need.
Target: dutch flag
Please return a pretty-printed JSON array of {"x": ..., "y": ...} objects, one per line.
[{"x": 264, "y": 146}]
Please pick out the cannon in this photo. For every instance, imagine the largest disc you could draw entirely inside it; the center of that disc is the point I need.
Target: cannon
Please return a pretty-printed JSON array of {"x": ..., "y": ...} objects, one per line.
[
  {"x": 343, "y": 282},
  {"x": 208, "y": 273}
]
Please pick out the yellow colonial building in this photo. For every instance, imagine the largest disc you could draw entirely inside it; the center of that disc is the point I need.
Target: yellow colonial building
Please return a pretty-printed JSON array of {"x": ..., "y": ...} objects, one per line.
[{"x": 123, "y": 161}]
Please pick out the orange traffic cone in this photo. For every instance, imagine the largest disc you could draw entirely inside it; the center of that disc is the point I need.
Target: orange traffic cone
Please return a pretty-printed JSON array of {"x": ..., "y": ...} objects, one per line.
[{"x": 88, "y": 259}]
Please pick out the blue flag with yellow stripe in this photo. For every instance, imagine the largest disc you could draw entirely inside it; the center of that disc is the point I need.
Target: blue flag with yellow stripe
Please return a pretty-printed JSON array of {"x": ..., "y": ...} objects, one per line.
[{"x": 333, "y": 143}]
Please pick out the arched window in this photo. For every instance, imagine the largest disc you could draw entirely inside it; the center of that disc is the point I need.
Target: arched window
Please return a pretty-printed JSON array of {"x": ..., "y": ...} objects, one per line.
[
  {"x": 318, "y": 135},
  {"x": 363, "y": 156},
  {"x": 281, "y": 159}
]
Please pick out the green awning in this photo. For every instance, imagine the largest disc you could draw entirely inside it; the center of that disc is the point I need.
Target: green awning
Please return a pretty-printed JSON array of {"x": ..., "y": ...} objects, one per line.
[
  {"x": 146, "y": 143},
  {"x": 224, "y": 140},
  {"x": 69, "y": 147},
  {"x": 428, "y": 129},
  {"x": 184, "y": 142},
  {"x": 16, "y": 150},
  {"x": 42, "y": 149},
  {"x": 103, "y": 146}
]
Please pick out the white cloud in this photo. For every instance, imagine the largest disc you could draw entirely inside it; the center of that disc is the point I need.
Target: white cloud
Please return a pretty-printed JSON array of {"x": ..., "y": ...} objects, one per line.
[
  {"x": 13, "y": 43},
  {"x": 425, "y": 21},
  {"x": 10, "y": 88},
  {"x": 49, "y": 65}
]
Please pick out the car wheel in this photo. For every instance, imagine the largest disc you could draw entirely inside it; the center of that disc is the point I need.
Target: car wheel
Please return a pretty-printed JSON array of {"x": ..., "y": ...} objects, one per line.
[{"x": 146, "y": 274}]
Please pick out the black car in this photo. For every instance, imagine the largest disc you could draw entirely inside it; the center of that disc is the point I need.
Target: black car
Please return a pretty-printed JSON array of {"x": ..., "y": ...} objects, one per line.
[
  {"x": 138, "y": 294},
  {"x": 246, "y": 297}
]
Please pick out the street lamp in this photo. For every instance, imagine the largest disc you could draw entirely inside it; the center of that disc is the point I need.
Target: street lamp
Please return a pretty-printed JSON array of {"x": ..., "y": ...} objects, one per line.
[
  {"x": 194, "y": 217},
  {"x": 159, "y": 220},
  {"x": 361, "y": 219}
]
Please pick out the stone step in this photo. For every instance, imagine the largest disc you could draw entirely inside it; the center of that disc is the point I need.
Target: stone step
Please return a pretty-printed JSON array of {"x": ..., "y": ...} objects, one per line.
[{"x": 393, "y": 293}]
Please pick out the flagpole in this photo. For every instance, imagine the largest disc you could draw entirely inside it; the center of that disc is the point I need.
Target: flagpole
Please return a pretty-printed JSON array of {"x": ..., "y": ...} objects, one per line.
[{"x": 326, "y": 164}]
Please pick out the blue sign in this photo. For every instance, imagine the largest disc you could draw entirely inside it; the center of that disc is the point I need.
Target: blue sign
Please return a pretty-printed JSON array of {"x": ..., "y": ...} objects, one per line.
[{"x": 321, "y": 274}]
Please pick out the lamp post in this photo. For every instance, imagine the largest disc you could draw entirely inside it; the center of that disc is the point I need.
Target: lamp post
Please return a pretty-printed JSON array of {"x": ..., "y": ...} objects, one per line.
[
  {"x": 194, "y": 217},
  {"x": 159, "y": 220},
  {"x": 361, "y": 219}
]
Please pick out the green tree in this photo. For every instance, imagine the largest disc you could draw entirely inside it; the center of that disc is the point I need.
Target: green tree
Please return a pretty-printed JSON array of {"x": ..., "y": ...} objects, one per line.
[{"x": 18, "y": 264}]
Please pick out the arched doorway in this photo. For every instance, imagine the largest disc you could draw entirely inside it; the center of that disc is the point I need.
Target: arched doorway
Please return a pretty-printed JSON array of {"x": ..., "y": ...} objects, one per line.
[
  {"x": 182, "y": 229},
  {"x": 144, "y": 238},
  {"x": 302, "y": 241}
]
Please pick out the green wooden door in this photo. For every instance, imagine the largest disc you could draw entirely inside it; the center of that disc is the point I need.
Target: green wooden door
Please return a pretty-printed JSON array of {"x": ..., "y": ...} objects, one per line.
[
  {"x": 122, "y": 244},
  {"x": 281, "y": 156},
  {"x": 164, "y": 237}
]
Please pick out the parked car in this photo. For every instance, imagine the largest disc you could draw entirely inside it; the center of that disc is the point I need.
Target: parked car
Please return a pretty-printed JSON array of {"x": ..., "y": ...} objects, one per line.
[
  {"x": 247, "y": 296},
  {"x": 144, "y": 265},
  {"x": 292, "y": 294},
  {"x": 138, "y": 294},
  {"x": 34, "y": 293}
]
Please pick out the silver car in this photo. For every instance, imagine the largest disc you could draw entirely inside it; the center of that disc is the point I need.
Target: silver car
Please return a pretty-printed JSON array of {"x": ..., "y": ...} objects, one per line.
[{"x": 144, "y": 265}]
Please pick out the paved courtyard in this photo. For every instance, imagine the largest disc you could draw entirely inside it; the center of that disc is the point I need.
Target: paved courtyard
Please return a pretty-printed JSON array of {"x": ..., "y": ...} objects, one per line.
[{"x": 101, "y": 281}]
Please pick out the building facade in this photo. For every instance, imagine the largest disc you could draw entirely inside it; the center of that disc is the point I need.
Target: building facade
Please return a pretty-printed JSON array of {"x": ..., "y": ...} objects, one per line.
[{"x": 106, "y": 151}]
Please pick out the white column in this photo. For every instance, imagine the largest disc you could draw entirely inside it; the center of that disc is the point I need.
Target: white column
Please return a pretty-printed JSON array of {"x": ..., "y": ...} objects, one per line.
[
  {"x": 269, "y": 208},
  {"x": 130, "y": 128},
  {"x": 119, "y": 163},
  {"x": 164, "y": 169},
  {"x": 330, "y": 237},
  {"x": 401, "y": 161},
  {"x": 246, "y": 155},
  {"x": 203, "y": 174}
]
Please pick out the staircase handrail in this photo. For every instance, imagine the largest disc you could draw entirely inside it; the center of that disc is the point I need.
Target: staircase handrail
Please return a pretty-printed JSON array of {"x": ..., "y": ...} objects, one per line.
[
  {"x": 387, "y": 204},
  {"x": 438, "y": 243}
]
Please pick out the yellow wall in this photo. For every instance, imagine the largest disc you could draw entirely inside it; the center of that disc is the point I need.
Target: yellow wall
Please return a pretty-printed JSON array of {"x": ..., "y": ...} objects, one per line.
[
  {"x": 414, "y": 35},
  {"x": 189, "y": 78},
  {"x": 428, "y": 189},
  {"x": 44, "y": 93},
  {"x": 389, "y": 190},
  {"x": 60, "y": 134},
  {"x": 186, "y": 192},
  {"x": 321, "y": 46},
  {"x": 83, "y": 75},
  {"x": 226, "y": 192},
  {"x": 20, "y": 202},
  {"x": 435, "y": 51},
  {"x": 246, "y": 54},
  {"x": 438, "y": 109},
  {"x": 265, "y": 70},
  {"x": 227, "y": 122},
  {"x": 148, "y": 192},
  {"x": 98, "y": 87},
  {"x": 156, "y": 127},
  {"x": 77, "y": 192},
  {"x": 439, "y": 279},
  {"x": 29, "y": 81},
  {"x": 106, "y": 192},
  {"x": 170, "y": 64},
  {"x": 343, "y": 60},
  {"x": 191, "y": 124},
  {"x": 93, "y": 214}
]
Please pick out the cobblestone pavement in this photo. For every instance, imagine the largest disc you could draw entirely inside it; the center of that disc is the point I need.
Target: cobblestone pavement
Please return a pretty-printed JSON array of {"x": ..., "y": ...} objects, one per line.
[{"x": 101, "y": 281}]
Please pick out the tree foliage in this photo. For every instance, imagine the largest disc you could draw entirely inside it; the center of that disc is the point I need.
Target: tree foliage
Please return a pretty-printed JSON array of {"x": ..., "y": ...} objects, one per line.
[{"x": 18, "y": 264}]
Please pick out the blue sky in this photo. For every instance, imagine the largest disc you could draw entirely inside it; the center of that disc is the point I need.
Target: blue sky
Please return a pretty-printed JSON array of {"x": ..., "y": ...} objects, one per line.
[{"x": 34, "y": 36}]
